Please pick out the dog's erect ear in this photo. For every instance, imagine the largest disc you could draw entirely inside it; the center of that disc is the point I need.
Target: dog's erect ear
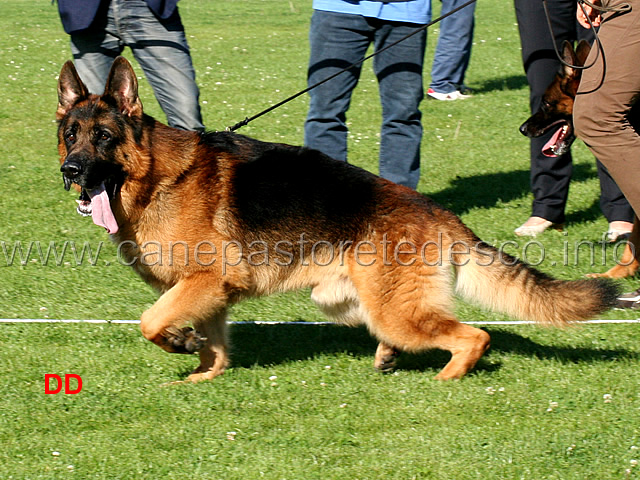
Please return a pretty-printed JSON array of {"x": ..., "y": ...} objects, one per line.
[
  {"x": 122, "y": 86},
  {"x": 569, "y": 56},
  {"x": 70, "y": 89},
  {"x": 582, "y": 51}
]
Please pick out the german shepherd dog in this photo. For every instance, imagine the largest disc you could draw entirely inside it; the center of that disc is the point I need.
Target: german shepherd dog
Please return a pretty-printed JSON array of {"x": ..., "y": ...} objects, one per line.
[
  {"x": 211, "y": 218},
  {"x": 557, "y": 112}
]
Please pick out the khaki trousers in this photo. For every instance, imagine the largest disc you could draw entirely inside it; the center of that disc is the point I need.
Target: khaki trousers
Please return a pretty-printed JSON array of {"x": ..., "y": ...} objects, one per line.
[{"x": 607, "y": 92}]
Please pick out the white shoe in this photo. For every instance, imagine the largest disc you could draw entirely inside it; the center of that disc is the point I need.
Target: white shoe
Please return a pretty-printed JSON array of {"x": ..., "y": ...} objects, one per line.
[{"x": 455, "y": 95}]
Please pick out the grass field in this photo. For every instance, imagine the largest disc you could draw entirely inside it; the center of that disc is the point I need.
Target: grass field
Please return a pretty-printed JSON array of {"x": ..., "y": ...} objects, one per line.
[{"x": 301, "y": 402}]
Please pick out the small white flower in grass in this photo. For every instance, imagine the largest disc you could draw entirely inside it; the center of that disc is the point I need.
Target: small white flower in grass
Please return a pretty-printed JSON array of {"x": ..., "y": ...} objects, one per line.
[
  {"x": 490, "y": 390},
  {"x": 552, "y": 406},
  {"x": 327, "y": 367},
  {"x": 607, "y": 397},
  {"x": 55, "y": 454},
  {"x": 231, "y": 436},
  {"x": 273, "y": 377},
  {"x": 343, "y": 405},
  {"x": 633, "y": 447},
  {"x": 70, "y": 468},
  {"x": 634, "y": 463}
]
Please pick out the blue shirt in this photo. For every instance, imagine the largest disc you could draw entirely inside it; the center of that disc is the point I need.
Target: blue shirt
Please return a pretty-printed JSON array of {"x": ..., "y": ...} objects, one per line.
[{"x": 412, "y": 11}]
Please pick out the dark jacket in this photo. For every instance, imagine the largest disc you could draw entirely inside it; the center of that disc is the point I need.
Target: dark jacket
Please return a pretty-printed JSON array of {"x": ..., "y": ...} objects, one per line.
[{"x": 77, "y": 15}]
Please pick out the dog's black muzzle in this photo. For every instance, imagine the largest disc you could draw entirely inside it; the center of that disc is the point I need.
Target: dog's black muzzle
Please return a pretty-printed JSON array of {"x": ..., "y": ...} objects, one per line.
[{"x": 70, "y": 171}]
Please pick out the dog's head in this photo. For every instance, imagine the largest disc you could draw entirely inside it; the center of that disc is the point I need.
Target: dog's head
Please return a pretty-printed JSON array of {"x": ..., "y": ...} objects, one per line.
[
  {"x": 557, "y": 104},
  {"x": 92, "y": 131}
]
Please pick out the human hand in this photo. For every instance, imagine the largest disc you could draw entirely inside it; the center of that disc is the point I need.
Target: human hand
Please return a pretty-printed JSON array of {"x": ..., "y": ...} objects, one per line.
[{"x": 590, "y": 12}]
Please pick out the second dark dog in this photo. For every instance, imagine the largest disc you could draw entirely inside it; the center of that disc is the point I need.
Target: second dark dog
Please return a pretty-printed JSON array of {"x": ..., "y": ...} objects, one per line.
[{"x": 557, "y": 104}]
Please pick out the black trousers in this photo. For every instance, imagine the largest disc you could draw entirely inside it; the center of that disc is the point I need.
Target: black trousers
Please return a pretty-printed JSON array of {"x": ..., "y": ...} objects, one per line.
[{"x": 550, "y": 177}]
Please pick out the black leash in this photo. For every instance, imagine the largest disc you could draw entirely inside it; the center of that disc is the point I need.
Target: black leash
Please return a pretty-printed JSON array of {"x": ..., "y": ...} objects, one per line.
[
  {"x": 302, "y": 92},
  {"x": 620, "y": 8}
]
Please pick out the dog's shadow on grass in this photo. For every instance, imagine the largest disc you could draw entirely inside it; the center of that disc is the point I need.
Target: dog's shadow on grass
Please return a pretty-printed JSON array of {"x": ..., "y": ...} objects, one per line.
[
  {"x": 266, "y": 345},
  {"x": 511, "y": 82},
  {"x": 489, "y": 190}
]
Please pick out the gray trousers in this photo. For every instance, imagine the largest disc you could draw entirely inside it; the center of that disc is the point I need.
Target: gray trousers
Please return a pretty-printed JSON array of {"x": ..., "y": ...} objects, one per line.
[{"x": 161, "y": 49}]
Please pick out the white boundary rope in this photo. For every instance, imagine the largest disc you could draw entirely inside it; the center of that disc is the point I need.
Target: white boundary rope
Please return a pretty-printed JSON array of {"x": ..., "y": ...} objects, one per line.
[{"x": 135, "y": 322}]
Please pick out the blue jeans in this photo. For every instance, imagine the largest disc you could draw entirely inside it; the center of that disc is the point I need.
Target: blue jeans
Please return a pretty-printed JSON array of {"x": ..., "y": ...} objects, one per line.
[
  {"x": 338, "y": 40},
  {"x": 161, "y": 49},
  {"x": 453, "y": 51}
]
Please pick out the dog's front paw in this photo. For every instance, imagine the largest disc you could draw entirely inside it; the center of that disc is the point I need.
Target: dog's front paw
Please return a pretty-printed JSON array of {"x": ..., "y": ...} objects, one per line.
[
  {"x": 386, "y": 363},
  {"x": 184, "y": 340}
]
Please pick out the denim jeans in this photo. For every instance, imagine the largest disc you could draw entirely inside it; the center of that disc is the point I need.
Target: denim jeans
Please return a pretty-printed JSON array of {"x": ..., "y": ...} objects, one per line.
[
  {"x": 453, "y": 51},
  {"x": 161, "y": 49},
  {"x": 338, "y": 40}
]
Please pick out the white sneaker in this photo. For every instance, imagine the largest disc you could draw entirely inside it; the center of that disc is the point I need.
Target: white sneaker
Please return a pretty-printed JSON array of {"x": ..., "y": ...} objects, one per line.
[{"x": 455, "y": 95}]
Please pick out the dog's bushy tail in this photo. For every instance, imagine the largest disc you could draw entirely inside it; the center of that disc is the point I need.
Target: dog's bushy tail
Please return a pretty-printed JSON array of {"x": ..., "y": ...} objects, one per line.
[{"x": 504, "y": 284}]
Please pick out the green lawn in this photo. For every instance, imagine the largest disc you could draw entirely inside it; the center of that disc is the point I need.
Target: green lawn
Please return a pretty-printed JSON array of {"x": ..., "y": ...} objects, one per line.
[{"x": 301, "y": 402}]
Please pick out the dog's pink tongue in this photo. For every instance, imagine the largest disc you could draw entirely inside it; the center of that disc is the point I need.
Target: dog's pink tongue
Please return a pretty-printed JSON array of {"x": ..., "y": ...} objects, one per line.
[
  {"x": 547, "y": 150},
  {"x": 101, "y": 209}
]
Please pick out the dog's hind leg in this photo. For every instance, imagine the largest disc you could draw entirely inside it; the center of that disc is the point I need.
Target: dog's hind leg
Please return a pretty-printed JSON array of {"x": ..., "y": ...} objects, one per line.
[
  {"x": 466, "y": 344},
  {"x": 430, "y": 330},
  {"x": 413, "y": 314}
]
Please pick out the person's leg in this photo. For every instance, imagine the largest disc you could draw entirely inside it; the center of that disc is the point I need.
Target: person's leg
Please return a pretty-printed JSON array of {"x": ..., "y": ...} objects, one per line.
[
  {"x": 161, "y": 49},
  {"x": 453, "y": 51},
  {"x": 336, "y": 41},
  {"x": 612, "y": 201},
  {"x": 399, "y": 73},
  {"x": 601, "y": 117},
  {"x": 550, "y": 177},
  {"x": 605, "y": 98},
  {"x": 95, "y": 50}
]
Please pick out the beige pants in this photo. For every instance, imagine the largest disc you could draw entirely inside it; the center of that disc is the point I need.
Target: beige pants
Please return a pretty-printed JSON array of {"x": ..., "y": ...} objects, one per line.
[{"x": 606, "y": 94}]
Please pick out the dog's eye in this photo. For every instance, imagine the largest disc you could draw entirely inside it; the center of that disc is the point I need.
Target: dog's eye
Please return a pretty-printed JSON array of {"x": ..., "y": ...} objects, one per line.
[
  {"x": 70, "y": 137},
  {"x": 103, "y": 136}
]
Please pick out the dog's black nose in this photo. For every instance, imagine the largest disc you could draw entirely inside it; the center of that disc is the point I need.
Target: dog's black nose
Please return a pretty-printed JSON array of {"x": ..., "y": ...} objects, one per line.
[{"x": 71, "y": 169}]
